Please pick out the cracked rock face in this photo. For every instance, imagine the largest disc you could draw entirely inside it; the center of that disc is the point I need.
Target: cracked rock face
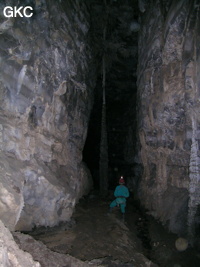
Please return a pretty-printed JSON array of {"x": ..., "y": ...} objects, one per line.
[
  {"x": 168, "y": 107},
  {"x": 45, "y": 102}
]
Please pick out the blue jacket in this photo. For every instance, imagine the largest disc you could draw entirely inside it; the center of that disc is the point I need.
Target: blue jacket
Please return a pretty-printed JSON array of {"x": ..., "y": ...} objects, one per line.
[{"x": 121, "y": 193}]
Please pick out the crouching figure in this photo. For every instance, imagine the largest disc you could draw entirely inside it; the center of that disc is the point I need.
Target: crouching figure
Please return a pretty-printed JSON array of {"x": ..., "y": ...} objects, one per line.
[{"x": 121, "y": 193}]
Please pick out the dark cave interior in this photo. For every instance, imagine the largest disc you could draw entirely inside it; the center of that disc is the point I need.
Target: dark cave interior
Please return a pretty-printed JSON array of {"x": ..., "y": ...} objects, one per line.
[
  {"x": 52, "y": 116},
  {"x": 120, "y": 48}
]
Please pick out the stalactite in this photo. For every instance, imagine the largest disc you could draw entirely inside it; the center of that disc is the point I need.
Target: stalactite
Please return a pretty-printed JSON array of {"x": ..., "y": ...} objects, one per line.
[{"x": 103, "y": 163}]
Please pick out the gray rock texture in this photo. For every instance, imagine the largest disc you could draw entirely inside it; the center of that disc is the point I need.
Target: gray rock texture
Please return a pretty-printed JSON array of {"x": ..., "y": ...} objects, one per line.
[
  {"x": 23, "y": 251},
  {"x": 168, "y": 113},
  {"x": 46, "y": 96},
  {"x": 11, "y": 254},
  {"x": 45, "y": 256},
  {"x": 128, "y": 257}
]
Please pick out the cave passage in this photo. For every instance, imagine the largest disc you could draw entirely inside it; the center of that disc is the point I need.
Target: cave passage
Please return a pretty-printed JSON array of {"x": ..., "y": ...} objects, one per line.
[
  {"x": 120, "y": 48},
  {"x": 54, "y": 67}
]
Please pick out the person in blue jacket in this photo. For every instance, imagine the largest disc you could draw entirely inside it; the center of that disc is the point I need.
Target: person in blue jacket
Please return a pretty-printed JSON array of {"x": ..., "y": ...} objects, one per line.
[{"x": 121, "y": 193}]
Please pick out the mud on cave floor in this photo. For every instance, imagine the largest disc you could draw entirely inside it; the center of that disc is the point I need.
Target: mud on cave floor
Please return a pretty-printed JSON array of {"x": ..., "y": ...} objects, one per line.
[{"x": 93, "y": 233}]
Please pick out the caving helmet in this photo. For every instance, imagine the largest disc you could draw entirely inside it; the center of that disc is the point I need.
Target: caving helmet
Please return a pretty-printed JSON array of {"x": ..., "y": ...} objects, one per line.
[{"x": 121, "y": 180}]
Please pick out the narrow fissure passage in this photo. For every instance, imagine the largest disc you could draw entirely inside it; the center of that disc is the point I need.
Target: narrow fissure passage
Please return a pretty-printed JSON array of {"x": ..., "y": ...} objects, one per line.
[
  {"x": 115, "y": 26},
  {"x": 136, "y": 62}
]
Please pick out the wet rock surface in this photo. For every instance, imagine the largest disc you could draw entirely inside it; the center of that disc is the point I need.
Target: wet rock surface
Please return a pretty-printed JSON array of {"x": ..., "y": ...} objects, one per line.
[{"x": 95, "y": 235}]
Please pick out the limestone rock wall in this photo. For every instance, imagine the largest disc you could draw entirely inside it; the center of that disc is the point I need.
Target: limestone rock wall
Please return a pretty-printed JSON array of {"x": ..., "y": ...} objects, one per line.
[
  {"x": 11, "y": 254},
  {"x": 46, "y": 84},
  {"x": 168, "y": 113}
]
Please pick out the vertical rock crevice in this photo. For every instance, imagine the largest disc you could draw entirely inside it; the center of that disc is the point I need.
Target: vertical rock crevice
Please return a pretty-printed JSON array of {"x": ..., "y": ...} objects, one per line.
[{"x": 46, "y": 95}]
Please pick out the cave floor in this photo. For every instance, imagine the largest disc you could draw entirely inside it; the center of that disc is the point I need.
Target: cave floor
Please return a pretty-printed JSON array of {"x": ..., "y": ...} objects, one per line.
[{"x": 95, "y": 235}]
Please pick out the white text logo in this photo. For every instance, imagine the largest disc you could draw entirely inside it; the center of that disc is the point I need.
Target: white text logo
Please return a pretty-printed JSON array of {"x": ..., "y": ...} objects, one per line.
[{"x": 20, "y": 11}]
